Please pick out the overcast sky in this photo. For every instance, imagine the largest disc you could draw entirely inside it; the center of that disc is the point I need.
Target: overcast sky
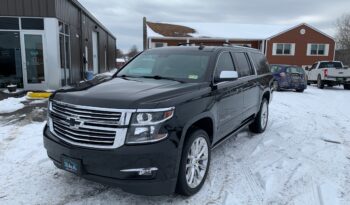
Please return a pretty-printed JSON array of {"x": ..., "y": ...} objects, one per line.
[{"x": 124, "y": 18}]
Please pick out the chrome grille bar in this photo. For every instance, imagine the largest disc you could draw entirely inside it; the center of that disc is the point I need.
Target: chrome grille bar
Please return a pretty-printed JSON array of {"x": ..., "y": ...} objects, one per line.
[{"x": 89, "y": 126}]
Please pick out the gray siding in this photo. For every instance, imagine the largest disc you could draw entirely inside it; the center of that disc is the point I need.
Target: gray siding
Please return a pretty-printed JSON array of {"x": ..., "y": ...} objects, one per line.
[
  {"x": 72, "y": 13},
  {"x": 35, "y": 8}
]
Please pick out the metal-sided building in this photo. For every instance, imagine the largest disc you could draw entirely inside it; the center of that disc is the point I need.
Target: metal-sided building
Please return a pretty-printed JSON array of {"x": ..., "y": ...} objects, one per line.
[{"x": 48, "y": 44}]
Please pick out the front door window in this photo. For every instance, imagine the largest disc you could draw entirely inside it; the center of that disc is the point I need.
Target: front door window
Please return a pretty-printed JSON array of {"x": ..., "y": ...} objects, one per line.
[{"x": 34, "y": 58}]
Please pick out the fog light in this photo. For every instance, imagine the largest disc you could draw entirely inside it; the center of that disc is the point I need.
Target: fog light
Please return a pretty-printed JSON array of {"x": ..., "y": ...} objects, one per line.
[{"x": 142, "y": 171}]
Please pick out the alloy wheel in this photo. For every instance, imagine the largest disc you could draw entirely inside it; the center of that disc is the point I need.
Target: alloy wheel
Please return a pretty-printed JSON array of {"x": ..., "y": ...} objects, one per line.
[{"x": 197, "y": 162}]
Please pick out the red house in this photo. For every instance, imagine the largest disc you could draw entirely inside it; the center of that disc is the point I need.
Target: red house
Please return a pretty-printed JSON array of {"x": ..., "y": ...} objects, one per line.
[{"x": 298, "y": 45}]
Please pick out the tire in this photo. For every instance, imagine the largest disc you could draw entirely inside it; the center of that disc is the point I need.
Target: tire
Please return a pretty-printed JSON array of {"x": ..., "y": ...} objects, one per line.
[
  {"x": 275, "y": 85},
  {"x": 347, "y": 86},
  {"x": 260, "y": 122},
  {"x": 320, "y": 84},
  {"x": 307, "y": 80},
  {"x": 300, "y": 90},
  {"x": 184, "y": 185}
]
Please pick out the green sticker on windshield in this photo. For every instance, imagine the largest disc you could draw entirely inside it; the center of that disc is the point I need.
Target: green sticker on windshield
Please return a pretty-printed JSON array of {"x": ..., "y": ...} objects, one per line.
[{"x": 195, "y": 77}]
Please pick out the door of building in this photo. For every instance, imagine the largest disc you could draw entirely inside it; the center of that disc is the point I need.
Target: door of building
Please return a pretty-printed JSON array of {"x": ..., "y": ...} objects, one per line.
[
  {"x": 33, "y": 60},
  {"x": 95, "y": 53}
]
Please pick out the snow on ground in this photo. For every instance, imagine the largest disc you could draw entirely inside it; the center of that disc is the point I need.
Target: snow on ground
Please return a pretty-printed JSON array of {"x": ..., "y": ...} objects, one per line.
[
  {"x": 11, "y": 104},
  {"x": 302, "y": 158}
]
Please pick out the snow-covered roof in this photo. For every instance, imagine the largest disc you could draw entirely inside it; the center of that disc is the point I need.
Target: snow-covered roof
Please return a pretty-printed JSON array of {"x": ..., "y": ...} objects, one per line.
[
  {"x": 227, "y": 30},
  {"x": 120, "y": 60}
]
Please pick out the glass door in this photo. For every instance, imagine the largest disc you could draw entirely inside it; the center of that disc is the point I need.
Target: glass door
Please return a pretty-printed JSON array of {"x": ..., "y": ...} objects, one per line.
[
  {"x": 33, "y": 61},
  {"x": 10, "y": 59}
]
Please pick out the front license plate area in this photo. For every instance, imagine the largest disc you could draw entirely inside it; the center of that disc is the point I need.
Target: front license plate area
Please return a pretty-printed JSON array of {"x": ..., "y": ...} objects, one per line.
[{"x": 71, "y": 165}]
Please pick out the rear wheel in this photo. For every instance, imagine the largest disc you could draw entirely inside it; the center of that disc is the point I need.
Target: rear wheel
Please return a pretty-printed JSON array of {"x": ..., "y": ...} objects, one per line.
[
  {"x": 307, "y": 80},
  {"x": 276, "y": 86},
  {"x": 195, "y": 163},
  {"x": 261, "y": 119},
  {"x": 299, "y": 90},
  {"x": 347, "y": 86},
  {"x": 320, "y": 84}
]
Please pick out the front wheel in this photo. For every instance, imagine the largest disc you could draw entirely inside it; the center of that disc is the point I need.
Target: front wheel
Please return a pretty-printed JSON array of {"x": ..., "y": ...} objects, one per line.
[
  {"x": 320, "y": 83},
  {"x": 299, "y": 90},
  {"x": 195, "y": 163},
  {"x": 347, "y": 86},
  {"x": 261, "y": 119}
]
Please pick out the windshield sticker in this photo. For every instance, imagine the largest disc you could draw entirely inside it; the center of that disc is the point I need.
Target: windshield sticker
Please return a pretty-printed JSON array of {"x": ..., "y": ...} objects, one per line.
[{"x": 195, "y": 77}]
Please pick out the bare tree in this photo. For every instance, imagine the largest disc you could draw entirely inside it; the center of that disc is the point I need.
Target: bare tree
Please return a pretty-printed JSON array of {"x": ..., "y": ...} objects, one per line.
[
  {"x": 133, "y": 51},
  {"x": 343, "y": 31}
]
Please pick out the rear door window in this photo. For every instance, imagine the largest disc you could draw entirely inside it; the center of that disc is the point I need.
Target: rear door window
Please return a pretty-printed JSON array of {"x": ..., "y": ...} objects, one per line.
[{"x": 243, "y": 65}]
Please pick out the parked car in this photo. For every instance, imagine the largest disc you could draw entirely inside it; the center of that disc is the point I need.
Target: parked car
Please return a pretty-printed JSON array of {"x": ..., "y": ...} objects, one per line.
[
  {"x": 329, "y": 73},
  {"x": 288, "y": 77},
  {"x": 151, "y": 127}
]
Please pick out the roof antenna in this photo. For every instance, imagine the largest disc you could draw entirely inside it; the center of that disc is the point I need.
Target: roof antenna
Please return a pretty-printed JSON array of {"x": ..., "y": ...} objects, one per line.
[{"x": 201, "y": 46}]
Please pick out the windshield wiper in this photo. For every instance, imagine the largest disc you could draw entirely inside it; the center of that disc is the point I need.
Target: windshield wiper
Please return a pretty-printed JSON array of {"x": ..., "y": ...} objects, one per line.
[{"x": 158, "y": 77}]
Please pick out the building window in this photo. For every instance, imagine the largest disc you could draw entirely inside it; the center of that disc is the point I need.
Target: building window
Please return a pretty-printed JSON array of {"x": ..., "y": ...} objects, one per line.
[
  {"x": 315, "y": 49},
  {"x": 65, "y": 53},
  {"x": 9, "y": 23},
  {"x": 283, "y": 49},
  {"x": 32, "y": 24},
  {"x": 159, "y": 44}
]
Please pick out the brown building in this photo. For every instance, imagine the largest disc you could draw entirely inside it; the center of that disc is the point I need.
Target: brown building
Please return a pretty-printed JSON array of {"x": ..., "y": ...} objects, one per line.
[
  {"x": 48, "y": 44},
  {"x": 298, "y": 45}
]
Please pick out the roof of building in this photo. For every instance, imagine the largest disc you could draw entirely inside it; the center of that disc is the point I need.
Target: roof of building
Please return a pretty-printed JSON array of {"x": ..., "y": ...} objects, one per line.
[{"x": 219, "y": 30}]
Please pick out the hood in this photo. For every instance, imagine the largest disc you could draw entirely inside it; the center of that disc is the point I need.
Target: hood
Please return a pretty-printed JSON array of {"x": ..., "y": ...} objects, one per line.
[{"x": 127, "y": 93}]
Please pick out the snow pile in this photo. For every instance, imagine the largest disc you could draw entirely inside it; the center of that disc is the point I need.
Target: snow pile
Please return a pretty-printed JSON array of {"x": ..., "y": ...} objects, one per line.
[
  {"x": 294, "y": 162},
  {"x": 11, "y": 104}
]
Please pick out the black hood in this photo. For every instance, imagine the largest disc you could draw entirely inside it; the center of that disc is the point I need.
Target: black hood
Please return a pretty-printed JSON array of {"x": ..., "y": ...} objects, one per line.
[{"x": 127, "y": 93}]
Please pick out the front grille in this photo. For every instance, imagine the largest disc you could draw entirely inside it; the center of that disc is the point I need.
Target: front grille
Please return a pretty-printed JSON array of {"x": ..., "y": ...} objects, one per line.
[{"x": 85, "y": 126}]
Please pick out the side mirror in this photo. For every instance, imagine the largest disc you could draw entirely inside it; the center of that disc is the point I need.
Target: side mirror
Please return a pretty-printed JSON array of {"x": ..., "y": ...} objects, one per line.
[{"x": 227, "y": 76}]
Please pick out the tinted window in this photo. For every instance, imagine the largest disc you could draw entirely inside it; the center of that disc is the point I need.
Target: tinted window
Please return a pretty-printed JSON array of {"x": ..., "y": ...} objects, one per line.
[
  {"x": 7, "y": 23},
  {"x": 243, "y": 66},
  {"x": 32, "y": 24},
  {"x": 294, "y": 70},
  {"x": 330, "y": 65},
  {"x": 224, "y": 63},
  {"x": 261, "y": 64},
  {"x": 313, "y": 66}
]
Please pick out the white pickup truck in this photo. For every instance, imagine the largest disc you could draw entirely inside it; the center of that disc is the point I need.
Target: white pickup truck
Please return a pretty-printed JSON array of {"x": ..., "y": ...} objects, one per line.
[{"x": 329, "y": 73}]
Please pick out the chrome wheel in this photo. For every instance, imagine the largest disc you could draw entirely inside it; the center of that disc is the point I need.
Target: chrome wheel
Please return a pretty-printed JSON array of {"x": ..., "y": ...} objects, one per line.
[
  {"x": 197, "y": 162},
  {"x": 264, "y": 115}
]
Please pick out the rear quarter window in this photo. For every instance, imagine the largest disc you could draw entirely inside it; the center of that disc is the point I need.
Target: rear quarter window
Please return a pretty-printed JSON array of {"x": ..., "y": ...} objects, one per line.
[{"x": 261, "y": 64}]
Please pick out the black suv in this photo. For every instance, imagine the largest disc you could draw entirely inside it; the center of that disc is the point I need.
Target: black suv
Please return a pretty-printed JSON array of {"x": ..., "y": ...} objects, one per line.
[{"x": 150, "y": 128}]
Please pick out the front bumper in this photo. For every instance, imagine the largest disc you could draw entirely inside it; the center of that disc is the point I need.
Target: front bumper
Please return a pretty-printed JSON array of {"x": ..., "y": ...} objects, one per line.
[{"x": 105, "y": 166}]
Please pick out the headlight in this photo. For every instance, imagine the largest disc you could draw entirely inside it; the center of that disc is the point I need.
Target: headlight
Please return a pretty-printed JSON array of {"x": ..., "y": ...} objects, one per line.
[{"x": 146, "y": 126}]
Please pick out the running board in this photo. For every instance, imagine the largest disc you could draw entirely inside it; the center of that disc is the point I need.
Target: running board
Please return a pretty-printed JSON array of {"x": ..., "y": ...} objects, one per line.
[{"x": 232, "y": 133}]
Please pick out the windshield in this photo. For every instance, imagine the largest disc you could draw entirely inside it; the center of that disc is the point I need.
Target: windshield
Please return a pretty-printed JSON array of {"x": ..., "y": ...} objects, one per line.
[
  {"x": 330, "y": 65},
  {"x": 188, "y": 66}
]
